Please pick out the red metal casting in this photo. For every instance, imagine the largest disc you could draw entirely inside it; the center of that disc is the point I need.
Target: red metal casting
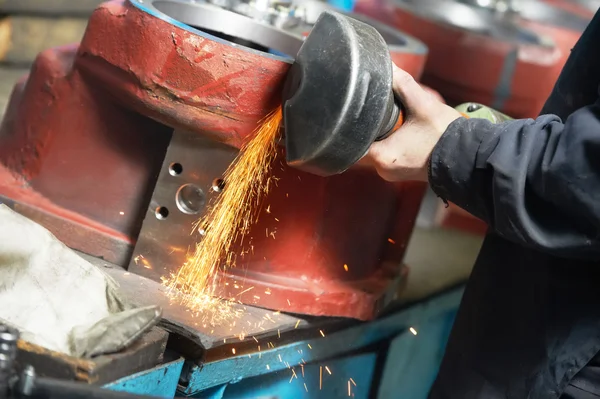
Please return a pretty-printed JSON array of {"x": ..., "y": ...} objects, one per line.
[
  {"x": 86, "y": 132},
  {"x": 465, "y": 66}
]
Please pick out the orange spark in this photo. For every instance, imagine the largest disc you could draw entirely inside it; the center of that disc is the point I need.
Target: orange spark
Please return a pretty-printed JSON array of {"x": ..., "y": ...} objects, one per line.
[
  {"x": 320, "y": 377},
  {"x": 391, "y": 241},
  {"x": 233, "y": 350},
  {"x": 327, "y": 368},
  {"x": 349, "y": 389},
  {"x": 322, "y": 333},
  {"x": 345, "y": 267},
  {"x": 305, "y": 387},
  {"x": 297, "y": 324},
  {"x": 352, "y": 381},
  {"x": 246, "y": 290}
]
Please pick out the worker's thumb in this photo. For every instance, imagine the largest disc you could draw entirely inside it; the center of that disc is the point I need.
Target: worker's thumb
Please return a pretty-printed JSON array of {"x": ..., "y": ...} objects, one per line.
[{"x": 410, "y": 93}]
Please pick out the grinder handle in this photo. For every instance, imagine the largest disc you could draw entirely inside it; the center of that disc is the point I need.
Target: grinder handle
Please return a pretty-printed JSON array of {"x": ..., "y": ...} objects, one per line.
[
  {"x": 480, "y": 111},
  {"x": 468, "y": 110}
]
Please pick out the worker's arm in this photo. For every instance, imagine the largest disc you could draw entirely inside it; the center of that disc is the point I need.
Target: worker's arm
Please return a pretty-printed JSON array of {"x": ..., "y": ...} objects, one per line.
[{"x": 534, "y": 182}]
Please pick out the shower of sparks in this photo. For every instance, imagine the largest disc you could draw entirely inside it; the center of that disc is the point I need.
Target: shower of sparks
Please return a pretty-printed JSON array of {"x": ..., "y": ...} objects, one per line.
[
  {"x": 412, "y": 330},
  {"x": 227, "y": 221}
]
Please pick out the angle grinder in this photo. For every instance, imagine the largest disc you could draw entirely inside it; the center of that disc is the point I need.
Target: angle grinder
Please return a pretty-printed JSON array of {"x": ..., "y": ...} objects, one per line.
[{"x": 338, "y": 98}]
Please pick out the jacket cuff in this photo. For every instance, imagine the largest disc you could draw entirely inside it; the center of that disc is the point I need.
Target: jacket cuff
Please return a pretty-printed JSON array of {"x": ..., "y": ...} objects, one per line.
[{"x": 453, "y": 163}]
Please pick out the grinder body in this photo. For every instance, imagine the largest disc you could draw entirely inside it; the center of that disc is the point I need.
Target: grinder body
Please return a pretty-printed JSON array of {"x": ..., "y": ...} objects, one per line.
[{"x": 338, "y": 97}]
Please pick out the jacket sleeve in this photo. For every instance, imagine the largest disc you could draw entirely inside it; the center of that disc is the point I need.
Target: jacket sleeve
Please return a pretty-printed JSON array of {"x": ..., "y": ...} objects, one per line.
[{"x": 535, "y": 182}]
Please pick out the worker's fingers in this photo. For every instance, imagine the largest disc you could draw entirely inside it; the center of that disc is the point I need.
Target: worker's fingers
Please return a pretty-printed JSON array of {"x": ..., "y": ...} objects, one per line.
[{"x": 410, "y": 93}]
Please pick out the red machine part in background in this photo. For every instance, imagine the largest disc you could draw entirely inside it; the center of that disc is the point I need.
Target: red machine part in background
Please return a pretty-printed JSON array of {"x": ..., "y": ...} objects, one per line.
[
  {"x": 476, "y": 58},
  {"x": 85, "y": 136}
]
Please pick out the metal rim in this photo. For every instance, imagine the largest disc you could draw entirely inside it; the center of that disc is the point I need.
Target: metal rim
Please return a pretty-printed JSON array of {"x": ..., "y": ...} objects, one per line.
[
  {"x": 543, "y": 13},
  {"x": 193, "y": 17},
  {"x": 472, "y": 19}
]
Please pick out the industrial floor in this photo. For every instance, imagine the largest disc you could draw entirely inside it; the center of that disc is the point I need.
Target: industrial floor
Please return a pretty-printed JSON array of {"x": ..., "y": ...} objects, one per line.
[{"x": 438, "y": 259}]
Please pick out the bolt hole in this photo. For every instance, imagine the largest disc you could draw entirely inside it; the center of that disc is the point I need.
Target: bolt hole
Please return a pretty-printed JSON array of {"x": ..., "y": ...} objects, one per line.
[
  {"x": 161, "y": 213},
  {"x": 218, "y": 185},
  {"x": 190, "y": 199},
  {"x": 175, "y": 169}
]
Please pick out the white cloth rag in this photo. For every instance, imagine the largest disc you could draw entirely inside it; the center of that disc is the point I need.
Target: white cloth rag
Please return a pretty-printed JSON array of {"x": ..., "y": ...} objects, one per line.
[{"x": 58, "y": 300}]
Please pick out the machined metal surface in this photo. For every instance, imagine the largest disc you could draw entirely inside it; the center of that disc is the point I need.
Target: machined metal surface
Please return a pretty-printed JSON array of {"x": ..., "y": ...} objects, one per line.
[{"x": 188, "y": 181}]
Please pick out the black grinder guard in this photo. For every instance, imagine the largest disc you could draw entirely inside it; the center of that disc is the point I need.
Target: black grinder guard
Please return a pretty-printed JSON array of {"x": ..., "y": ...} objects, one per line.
[{"x": 337, "y": 98}]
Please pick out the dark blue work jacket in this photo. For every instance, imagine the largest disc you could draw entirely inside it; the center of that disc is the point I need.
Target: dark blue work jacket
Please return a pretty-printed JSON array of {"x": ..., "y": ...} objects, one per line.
[{"x": 529, "y": 322}]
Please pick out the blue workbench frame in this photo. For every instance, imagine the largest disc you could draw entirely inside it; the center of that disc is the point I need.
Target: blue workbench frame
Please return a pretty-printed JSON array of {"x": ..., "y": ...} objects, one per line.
[{"x": 383, "y": 357}]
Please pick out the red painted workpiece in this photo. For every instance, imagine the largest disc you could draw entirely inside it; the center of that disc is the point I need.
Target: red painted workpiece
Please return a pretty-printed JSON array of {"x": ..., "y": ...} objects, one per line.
[
  {"x": 465, "y": 66},
  {"x": 85, "y": 135},
  {"x": 309, "y": 228}
]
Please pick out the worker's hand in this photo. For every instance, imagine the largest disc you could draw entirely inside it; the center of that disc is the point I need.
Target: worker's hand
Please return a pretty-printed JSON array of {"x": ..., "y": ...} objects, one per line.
[{"x": 405, "y": 153}]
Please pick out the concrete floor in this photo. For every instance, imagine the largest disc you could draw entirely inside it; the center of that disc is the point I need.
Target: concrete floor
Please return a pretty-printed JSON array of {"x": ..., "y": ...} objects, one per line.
[{"x": 437, "y": 259}]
